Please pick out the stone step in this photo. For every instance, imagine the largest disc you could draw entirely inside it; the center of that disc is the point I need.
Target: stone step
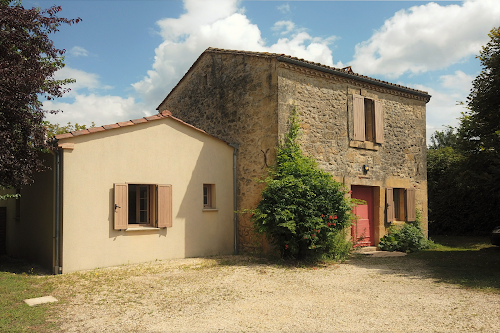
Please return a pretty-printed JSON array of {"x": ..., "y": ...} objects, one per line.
[{"x": 366, "y": 249}]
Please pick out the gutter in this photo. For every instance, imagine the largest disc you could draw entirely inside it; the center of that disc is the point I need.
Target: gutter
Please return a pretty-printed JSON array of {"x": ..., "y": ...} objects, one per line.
[
  {"x": 355, "y": 77},
  {"x": 235, "y": 203},
  {"x": 58, "y": 213}
]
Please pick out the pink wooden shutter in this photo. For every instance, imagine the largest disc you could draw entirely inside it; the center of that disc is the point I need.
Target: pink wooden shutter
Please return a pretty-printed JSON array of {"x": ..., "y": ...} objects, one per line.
[
  {"x": 120, "y": 206},
  {"x": 358, "y": 103},
  {"x": 379, "y": 122},
  {"x": 389, "y": 197},
  {"x": 164, "y": 206},
  {"x": 411, "y": 209}
]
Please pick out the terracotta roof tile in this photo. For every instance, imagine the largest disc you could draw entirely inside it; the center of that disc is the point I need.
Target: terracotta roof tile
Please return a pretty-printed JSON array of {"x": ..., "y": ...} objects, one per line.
[
  {"x": 125, "y": 123},
  {"x": 64, "y": 136},
  {"x": 110, "y": 126},
  {"x": 139, "y": 121},
  {"x": 164, "y": 114},
  {"x": 96, "y": 129},
  {"x": 81, "y": 132}
]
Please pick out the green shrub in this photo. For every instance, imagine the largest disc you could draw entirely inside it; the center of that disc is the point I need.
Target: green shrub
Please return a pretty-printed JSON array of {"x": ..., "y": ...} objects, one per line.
[
  {"x": 303, "y": 210},
  {"x": 408, "y": 238}
]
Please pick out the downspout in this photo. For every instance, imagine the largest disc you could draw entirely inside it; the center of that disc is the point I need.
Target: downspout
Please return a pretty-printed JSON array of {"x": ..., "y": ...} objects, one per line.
[
  {"x": 235, "y": 188},
  {"x": 57, "y": 250}
]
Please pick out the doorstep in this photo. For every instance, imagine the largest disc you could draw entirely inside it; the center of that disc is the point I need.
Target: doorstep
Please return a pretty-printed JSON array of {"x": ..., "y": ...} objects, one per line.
[{"x": 373, "y": 251}]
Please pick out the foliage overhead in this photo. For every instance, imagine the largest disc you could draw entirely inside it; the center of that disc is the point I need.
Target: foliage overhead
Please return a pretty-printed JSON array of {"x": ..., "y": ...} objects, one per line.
[
  {"x": 28, "y": 61},
  {"x": 303, "y": 211}
]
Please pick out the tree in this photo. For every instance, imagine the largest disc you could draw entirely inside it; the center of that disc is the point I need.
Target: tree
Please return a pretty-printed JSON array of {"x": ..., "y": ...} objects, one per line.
[
  {"x": 303, "y": 211},
  {"x": 28, "y": 61},
  {"x": 480, "y": 125},
  {"x": 54, "y": 129},
  {"x": 464, "y": 163}
]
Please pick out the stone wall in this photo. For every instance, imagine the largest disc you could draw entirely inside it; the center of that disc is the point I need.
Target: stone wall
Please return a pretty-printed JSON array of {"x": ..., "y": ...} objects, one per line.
[
  {"x": 234, "y": 98},
  {"x": 325, "y": 106}
]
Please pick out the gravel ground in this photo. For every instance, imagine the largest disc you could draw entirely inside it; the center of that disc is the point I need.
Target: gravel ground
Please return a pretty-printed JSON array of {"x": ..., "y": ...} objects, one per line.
[{"x": 245, "y": 294}]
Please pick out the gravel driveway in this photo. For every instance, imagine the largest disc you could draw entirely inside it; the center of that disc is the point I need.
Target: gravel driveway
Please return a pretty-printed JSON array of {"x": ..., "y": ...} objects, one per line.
[{"x": 245, "y": 294}]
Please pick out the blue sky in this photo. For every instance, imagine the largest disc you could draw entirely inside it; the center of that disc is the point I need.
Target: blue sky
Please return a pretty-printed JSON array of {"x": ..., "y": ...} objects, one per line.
[{"x": 127, "y": 55}]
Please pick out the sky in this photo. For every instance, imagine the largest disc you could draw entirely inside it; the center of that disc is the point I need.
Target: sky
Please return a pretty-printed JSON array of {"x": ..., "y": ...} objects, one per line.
[{"x": 126, "y": 56}]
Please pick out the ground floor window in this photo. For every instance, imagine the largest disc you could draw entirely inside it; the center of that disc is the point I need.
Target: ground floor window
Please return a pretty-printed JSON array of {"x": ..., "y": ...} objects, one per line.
[
  {"x": 208, "y": 196},
  {"x": 400, "y": 204},
  {"x": 142, "y": 205}
]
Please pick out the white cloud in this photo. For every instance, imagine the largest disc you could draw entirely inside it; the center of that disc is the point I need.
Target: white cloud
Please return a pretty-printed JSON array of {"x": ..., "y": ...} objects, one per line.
[
  {"x": 459, "y": 81},
  {"x": 284, "y": 8},
  {"x": 86, "y": 107},
  {"x": 101, "y": 110},
  {"x": 427, "y": 37},
  {"x": 283, "y": 27},
  {"x": 83, "y": 79},
  {"x": 444, "y": 108},
  {"x": 221, "y": 24},
  {"x": 78, "y": 51}
]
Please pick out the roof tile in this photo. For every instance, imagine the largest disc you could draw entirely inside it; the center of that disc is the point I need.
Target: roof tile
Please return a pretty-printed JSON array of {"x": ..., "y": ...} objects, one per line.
[
  {"x": 164, "y": 114},
  {"x": 110, "y": 126},
  {"x": 125, "y": 123},
  {"x": 96, "y": 129},
  {"x": 63, "y": 136},
  {"x": 139, "y": 121},
  {"x": 81, "y": 132}
]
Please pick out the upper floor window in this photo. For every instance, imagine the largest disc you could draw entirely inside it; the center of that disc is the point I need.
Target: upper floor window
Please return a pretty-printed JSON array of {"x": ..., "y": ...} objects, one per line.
[{"x": 368, "y": 119}]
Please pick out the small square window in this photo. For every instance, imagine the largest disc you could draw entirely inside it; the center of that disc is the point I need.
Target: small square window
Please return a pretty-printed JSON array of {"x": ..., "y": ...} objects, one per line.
[{"x": 208, "y": 196}]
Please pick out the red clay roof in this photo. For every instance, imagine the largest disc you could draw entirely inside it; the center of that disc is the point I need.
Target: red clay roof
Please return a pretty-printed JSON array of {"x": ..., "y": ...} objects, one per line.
[
  {"x": 347, "y": 71},
  {"x": 162, "y": 115}
]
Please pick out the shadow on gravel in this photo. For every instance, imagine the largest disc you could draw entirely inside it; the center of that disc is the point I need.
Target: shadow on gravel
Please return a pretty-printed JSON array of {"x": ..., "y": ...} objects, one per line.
[{"x": 470, "y": 263}]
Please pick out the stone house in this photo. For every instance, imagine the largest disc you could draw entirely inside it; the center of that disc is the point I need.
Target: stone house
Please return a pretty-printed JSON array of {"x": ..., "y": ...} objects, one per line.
[{"x": 369, "y": 134}]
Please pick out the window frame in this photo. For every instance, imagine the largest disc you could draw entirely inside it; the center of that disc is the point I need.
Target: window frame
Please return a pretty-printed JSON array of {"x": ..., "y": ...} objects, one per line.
[
  {"x": 209, "y": 195},
  {"x": 402, "y": 204},
  {"x": 158, "y": 203},
  {"x": 368, "y": 119}
]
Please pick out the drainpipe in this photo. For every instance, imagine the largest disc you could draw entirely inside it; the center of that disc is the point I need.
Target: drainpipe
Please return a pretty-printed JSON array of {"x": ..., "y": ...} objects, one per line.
[
  {"x": 235, "y": 188},
  {"x": 57, "y": 250}
]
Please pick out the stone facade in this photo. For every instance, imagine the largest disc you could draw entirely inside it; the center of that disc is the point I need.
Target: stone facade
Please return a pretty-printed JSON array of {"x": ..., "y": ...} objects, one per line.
[{"x": 246, "y": 98}]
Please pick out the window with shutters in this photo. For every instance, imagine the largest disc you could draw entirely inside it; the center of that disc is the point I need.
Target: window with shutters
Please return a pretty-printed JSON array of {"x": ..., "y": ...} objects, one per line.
[
  {"x": 142, "y": 206},
  {"x": 368, "y": 119},
  {"x": 400, "y": 204}
]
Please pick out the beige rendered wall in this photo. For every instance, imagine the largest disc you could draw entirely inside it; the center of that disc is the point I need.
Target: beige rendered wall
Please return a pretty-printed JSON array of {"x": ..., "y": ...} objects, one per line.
[
  {"x": 31, "y": 236},
  {"x": 324, "y": 102},
  {"x": 158, "y": 152}
]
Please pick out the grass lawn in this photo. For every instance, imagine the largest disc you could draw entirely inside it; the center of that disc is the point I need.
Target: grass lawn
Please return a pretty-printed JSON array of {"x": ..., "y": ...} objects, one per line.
[
  {"x": 471, "y": 262},
  {"x": 19, "y": 281}
]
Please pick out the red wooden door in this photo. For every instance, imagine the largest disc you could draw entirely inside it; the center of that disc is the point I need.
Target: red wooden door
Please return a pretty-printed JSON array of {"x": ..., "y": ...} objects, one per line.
[{"x": 362, "y": 230}]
